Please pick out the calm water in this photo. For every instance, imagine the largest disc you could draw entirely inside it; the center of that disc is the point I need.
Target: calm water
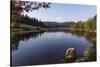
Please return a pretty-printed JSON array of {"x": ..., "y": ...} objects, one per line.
[{"x": 46, "y": 47}]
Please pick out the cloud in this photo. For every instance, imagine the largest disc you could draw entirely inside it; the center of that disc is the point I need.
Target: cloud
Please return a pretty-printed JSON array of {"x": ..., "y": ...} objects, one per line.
[{"x": 59, "y": 18}]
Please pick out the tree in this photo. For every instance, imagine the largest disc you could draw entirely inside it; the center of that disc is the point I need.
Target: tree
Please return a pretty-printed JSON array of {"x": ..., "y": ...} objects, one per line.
[
  {"x": 94, "y": 21},
  {"x": 78, "y": 25},
  {"x": 90, "y": 24},
  {"x": 18, "y": 6}
]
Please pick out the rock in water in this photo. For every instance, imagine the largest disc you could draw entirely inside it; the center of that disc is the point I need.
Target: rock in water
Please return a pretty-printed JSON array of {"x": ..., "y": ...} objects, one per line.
[{"x": 70, "y": 55}]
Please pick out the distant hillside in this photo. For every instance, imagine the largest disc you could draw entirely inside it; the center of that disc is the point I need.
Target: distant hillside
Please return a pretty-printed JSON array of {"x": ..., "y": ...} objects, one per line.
[{"x": 57, "y": 24}]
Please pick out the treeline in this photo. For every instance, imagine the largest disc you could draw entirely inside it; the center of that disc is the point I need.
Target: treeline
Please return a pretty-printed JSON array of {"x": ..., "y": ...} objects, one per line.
[
  {"x": 58, "y": 25},
  {"x": 26, "y": 22},
  {"x": 17, "y": 13},
  {"x": 31, "y": 21},
  {"x": 89, "y": 25}
]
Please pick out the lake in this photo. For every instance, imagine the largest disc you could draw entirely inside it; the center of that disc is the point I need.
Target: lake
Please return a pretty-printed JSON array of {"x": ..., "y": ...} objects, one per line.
[{"x": 46, "y": 47}]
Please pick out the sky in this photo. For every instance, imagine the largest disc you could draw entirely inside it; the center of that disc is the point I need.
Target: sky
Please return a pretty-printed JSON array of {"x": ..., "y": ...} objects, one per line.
[{"x": 64, "y": 12}]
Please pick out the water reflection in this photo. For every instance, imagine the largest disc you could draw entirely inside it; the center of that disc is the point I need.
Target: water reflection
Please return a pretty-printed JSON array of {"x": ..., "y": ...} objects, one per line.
[
  {"x": 89, "y": 53},
  {"x": 91, "y": 37},
  {"x": 17, "y": 37},
  {"x": 50, "y": 46}
]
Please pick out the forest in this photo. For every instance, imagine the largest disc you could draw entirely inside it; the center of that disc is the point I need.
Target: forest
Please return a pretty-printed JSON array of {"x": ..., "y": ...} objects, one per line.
[
  {"x": 19, "y": 21},
  {"x": 88, "y": 25}
]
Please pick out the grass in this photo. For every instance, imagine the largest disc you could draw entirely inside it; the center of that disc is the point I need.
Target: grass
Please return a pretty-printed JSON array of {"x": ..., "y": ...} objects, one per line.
[{"x": 25, "y": 28}]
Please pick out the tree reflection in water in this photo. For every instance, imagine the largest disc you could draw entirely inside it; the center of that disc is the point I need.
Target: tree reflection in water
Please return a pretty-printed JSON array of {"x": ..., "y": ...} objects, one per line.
[
  {"x": 17, "y": 37},
  {"x": 91, "y": 37},
  {"x": 89, "y": 53}
]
